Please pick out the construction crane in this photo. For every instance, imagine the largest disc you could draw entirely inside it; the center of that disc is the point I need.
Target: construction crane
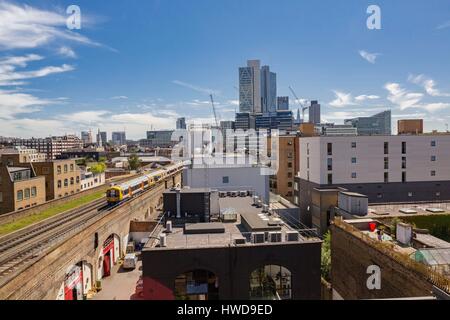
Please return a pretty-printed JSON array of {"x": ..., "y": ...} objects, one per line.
[
  {"x": 304, "y": 108},
  {"x": 214, "y": 109}
]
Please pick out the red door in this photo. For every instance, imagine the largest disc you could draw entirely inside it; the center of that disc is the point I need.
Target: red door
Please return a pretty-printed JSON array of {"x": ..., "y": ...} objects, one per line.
[{"x": 107, "y": 264}]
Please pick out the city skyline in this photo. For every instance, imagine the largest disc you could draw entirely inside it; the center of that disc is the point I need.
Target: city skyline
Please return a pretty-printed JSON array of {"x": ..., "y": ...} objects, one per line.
[{"x": 70, "y": 81}]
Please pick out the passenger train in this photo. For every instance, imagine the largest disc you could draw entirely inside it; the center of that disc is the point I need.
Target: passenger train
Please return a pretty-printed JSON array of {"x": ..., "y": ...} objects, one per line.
[{"x": 123, "y": 191}]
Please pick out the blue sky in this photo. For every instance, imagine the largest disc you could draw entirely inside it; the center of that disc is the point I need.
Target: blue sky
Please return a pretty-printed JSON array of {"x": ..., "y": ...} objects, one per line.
[{"x": 140, "y": 64}]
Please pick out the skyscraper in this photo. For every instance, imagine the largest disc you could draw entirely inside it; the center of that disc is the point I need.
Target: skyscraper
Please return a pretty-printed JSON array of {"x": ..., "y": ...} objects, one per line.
[
  {"x": 314, "y": 112},
  {"x": 283, "y": 103},
  {"x": 379, "y": 123},
  {"x": 250, "y": 87},
  {"x": 102, "y": 138},
  {"x": 181, "y": 123},
  {"x": 119, "y": 138},
  {"x": 86, "y": 137},
  {"x": 268, "y": 90}
]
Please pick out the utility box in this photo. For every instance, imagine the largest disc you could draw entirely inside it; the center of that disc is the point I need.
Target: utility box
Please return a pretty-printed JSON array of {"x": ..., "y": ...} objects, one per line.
[{"x": 354, "y": 203}]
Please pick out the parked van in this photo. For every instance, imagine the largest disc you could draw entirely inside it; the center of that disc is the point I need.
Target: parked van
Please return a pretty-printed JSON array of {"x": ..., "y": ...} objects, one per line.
[{"x": 130, "y": 261}]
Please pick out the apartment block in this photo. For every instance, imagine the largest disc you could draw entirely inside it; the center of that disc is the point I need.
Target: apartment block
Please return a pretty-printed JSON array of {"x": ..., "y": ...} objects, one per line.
[
  {"x": 51, "y": 146},
  {"x": 383, "y": 168},
  {"x": 62, "y": 177},
  {"x": 20, "y": 188},
  {"x": 410, "y": 126}
]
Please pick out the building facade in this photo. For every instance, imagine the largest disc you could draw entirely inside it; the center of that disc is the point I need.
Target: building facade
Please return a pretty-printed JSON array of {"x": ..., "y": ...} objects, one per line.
[
  {"x": 268, "y": 90},
  {"x": 62, "y": 177},
  {"x": 384, "y": 168},
  {"x": 119, "y": 138},
  {"x": 158, "y": 139},
  {"x": 314, "y": 112},
  {"x": 250, "y": 87},
  {"x": 378, "y": 124},
  {"x": 282, "y": 103},
  {"x": 51, "y": 146},
  {"x": 181, "y": 123},
  {"x": 410, "y": 126}
]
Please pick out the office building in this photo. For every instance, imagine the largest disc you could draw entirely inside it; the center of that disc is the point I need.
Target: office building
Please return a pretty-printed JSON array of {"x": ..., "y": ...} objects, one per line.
[
  {"x": 119, "y": 138},
  {"x": 102, "y": 138},
  {"x": 410, "y": 126},
  {"x": 244, "y": 121},
  {"x": 20, "y": 187},
  {"x": 314, "y": 112},
  {"x": 282, "y": 103},
  {"x": 401, "y": 168},
  {"x": 239, "y": 252},
  {"x": 281, "y": 120},
  {"x": 181, "y": 123},
  {"x": 86, "y": 137},
  {"x": 378, "y": 124},
  {"x": 51, "y": 146},
  {"x": 337, "y": 130},
  {"x": 250, "y": 87},
  {"x": 158, "y": 139},
  {"x": 62, "y": 177},
  {"x": 268, "y": 90}
]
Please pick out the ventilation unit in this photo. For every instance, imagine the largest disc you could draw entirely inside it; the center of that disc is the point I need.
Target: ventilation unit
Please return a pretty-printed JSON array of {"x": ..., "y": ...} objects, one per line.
[
  {"x": 265, "y": 208},
  {"x": 292, "y": 235},
  {"x": 240, "y": 240},
  {"x": 162, "y": 240},
  {"x": 258, "y": 237},
  {"x": 242, "y": 193},
  {"x": 275, "y": 236},
  {"x": 169, "y": 226}
]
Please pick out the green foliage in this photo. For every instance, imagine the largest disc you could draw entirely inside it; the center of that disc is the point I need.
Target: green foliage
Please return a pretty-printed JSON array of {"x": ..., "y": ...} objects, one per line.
[
  {"x": 134, "y": 162},
  {"x": 438, "y": 225},
  {"x": 98, "y": 167},
  {"x": 326, "y": 257},
  {"x": 102, "y": 159}
]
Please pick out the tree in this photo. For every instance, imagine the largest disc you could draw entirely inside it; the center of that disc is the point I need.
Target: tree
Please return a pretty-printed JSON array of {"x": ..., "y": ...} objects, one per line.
[
  {"x": 99, "y": 167},
  {"x": 325, "y": 266},
  {"x": 134, "y": 162}
]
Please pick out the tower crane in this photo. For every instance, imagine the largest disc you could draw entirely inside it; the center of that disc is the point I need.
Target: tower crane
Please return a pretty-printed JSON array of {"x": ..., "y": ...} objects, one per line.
[
  {"x": 304, "y": 108},
  {"x": 214, "y": 110}
]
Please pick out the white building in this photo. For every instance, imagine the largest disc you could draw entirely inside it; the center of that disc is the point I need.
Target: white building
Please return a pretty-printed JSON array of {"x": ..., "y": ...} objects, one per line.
[
  {"x": 25, "y": 154},
  {"x": 228, "y": 178},
  {"x": 90, "y": 180},
  {"x": 385, "y": 168}
]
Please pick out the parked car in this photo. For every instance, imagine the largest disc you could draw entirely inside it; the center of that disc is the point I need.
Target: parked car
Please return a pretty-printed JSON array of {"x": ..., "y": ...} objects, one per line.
[{"x": 130, "y": 261}]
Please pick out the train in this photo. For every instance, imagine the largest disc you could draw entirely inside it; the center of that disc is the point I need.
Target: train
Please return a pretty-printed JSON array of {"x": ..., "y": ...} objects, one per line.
[{"x": 121, "y": 192}]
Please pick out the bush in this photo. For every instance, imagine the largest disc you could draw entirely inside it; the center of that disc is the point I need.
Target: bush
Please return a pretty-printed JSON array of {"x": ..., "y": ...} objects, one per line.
[{"x": 325, "y": 266}]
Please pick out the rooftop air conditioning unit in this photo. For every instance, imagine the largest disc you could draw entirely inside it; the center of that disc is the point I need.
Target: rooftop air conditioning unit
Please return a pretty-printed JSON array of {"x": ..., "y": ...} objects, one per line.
[
  {"x": 169, "y": 226},
  {"x": 258, "y": 237},
  {"x": 292, "y": 236},
  {"x": 234, "y": 193},
  {"x": 255, "y": 200},
  {"x": 259, "y": 203},
  {"x": 222, "y": 194},
  {"x": 242, "y": 193},
  {"x": 229, "y": 193},
  {"x": 250, "y": 193},
  {"x": 265, "y": 208},
  {"x": 275, "y": 236},
  {"x": 162, "y": 240},
  {"x": 240, "y": 240}
]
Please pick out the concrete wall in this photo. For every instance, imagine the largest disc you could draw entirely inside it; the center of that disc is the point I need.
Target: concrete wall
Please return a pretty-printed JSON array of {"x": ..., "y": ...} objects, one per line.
[
  {"x": 350, "y": 258},
  {"x": 42, "y": 279}
]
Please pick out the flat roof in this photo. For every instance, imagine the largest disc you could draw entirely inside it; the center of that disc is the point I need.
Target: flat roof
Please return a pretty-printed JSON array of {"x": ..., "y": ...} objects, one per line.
[
  {"x": 353, "y": 194},
  {"x": 15, "y": 169},
  {"x": 189, "y": 190},
  {"x": 390, "y": 210}
]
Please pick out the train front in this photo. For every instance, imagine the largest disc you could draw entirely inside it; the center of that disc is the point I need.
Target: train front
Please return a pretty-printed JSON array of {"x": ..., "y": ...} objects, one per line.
[{"x": 114, "y": 195}]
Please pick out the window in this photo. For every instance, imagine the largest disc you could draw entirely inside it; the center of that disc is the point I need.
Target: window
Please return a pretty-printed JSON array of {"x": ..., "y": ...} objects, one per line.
[
  {"x": 289, "y": 174},
  {"x": 386, "y": 177},
  {"x": 226, "y": 179},
  {"x": 66, "y": 182},
  {"x": 289, "y": 184},
  {"x": 59, "y": 183},
  {"x": 379, "y": 195},
  {"x": 353, "y": 144},
  {"x": 296, "y": 200},
  {"x": 403, "y": 162},
  {"x": 71, "y": 167},
  {"x": 289, "y": 143},
  {"x": 433, "y": 158},
  {"x": 403, "y": 147},
  {"x": 438, "y": 194},
  {"x": 78, "y": 179},
  {"x": 296, "y": 186},
  {"x": 403, "y": 176},
  {"x": 330, "y": 178},
  {"x": 329, "y": 149},
  {"x": 72, "y": 181},
  {"x": 1, "y": 196},
  {"x": 33, "y": 191},
  {"x": 65, "y": 168},
  {"x": 289, "y": 155},
  {"x": 410, "y": 194},
  {"x": 386, "y": 163},
  {"x": 330, "y": 164},
  {"x": 433, "y": 173},
  {"x": 353, "y": 175},
  {"x": 27, "y": 193},
  {"x": 307, "y": 163},
  {"x": 353, "y": 160},
  {"x": 433, "y": 143},
  {"x": 19, "y": 195},
  {"x": 289, "y": 164},
  {"x": 58, "y": 169},
  {"x": 307, "y": 149},
  {"x": 386, "y": 148}
]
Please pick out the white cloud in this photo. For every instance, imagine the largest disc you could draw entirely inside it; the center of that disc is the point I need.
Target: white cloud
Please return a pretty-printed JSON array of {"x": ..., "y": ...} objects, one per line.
[
  {"x": 13, "y": 103},
  {"x": 26, "y": 27},
  {"x": 444, "y": 25},
  {"x": 119, "y": 98},
  {"x": 428, "y": 84},
  {"x": 434, "y": 107},
  {"x": 67, "y": 52},
  {"x": 401, "y": 97},
  {"x": 344, "y": 99},
  {"x": 369, "y": 57},
  {"x": 196, "y": 88}
]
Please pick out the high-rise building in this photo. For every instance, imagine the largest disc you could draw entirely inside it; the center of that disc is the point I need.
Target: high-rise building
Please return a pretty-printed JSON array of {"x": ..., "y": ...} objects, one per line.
[
  {"x": 377, "y": 124},
  {"x": 102, "y": 138},
  {"x": 250, "y": 87},
  {"x": 410, "y": 126},
  {"x": 314, "y": 112},
  {"x": 181, "y": 123},
  {"x": 86, "y": 137},
  {"x": 119, "y": 138},
  {"x": 51, "y": 146},
  {"x": 268, "y": 90},
  {"x": 283, "y": 103},
  {"x": 244, "y": 121}
]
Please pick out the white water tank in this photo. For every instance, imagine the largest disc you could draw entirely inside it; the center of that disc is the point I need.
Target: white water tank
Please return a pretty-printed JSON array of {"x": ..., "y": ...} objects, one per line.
[
  {"x": 169, "y": 226},
  {"x": 162, "y": 240}
]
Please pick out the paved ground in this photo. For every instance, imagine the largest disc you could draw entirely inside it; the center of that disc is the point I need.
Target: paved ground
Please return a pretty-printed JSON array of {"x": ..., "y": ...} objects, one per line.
[{"x": 120, "y": 285}]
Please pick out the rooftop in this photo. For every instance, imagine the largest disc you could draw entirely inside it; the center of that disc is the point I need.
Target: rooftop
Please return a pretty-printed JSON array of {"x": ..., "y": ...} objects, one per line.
[
  {"x": 237, "y": 232},
  {"x": 408, "y": 209}
]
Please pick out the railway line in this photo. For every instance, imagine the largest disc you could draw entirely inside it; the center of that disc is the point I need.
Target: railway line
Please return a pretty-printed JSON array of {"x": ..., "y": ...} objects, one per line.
[{"x": 19, "y": 249}]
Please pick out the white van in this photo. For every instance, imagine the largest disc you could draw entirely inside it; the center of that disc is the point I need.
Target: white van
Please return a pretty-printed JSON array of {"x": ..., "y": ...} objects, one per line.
[{"x": 130, "y": 261}]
